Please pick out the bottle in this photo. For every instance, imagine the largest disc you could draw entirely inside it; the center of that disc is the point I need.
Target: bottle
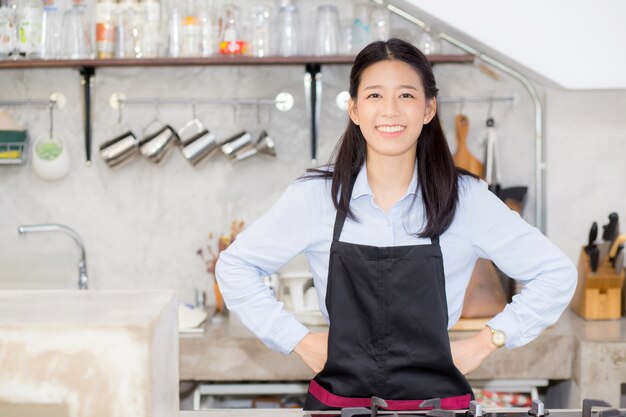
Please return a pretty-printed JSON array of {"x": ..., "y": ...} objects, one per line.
[
  {"x": 173, "y": 44},
  {"x": 190, "y": 31},
  {"x": 231, "y": 42},
  {"x": 29, "y": 21},
  {"x": 105, "y": 29},
  {"x": 8, "y": 30}
]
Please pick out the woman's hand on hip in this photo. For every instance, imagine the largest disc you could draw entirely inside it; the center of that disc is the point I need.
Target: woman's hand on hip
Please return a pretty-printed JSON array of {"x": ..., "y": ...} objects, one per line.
[
  {"x": 313, "y": 350},
  {"x": 468, "y": 354}
]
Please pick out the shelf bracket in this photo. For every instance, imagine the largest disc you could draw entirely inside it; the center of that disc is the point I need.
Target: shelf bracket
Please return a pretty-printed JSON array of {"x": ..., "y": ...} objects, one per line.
[
  {"x": 87, "y": 75},
  {"x": 313, "y": 94}
]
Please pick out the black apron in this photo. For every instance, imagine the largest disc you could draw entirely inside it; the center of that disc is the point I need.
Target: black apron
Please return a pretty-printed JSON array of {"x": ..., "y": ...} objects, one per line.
[{"x": 388, "y": 332}]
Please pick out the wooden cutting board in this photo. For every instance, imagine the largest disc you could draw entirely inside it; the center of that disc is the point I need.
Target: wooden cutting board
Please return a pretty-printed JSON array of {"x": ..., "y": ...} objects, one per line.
[{"x": 463, "y": 158}]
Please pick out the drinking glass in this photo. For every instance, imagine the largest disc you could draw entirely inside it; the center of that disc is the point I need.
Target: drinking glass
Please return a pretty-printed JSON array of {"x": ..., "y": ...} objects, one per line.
[
  {"x": 260, "y": 30},
  {"x": 379, "y": 23},
  {"x": 288, "y": 28},
  {"x": 360, "y": 27},
  {"x": 327, "y": 31}
]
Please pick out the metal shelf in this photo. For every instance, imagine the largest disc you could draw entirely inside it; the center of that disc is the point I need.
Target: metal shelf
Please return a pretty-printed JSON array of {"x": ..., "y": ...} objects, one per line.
[{"x": 206, "y": 61}]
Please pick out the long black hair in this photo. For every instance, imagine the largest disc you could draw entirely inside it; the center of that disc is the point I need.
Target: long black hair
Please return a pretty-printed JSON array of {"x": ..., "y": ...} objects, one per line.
[{"x": 437, "y": 175}]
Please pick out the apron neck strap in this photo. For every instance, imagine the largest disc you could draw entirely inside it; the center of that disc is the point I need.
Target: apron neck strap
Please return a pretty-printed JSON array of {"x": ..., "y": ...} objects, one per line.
[{"x": 341, "y": 219}]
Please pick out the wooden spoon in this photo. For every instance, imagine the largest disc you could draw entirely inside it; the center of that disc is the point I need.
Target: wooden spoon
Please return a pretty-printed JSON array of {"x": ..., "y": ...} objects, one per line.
[{"x": 463, "y": 158}]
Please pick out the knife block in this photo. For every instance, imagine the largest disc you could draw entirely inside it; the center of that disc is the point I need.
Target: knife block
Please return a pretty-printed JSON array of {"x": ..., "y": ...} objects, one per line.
[{"x": 598, "y": 294}]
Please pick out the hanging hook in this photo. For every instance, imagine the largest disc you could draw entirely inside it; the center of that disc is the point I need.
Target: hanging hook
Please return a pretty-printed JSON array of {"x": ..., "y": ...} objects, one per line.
[
  {"x": 120, "y": 109},
  {"x": 490, "y": 107},
  {"x": 462, "y": 106},
  {"x": 490, "y": 121},
  {"x": 51, "y": 113}
]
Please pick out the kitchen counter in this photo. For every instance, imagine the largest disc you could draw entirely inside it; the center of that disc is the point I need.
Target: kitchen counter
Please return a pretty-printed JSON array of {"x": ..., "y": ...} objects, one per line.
[{"x": 573, "y": 349}]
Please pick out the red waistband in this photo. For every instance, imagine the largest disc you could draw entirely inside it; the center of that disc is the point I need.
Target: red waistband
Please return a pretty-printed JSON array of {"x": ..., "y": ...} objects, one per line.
[{"x": 451, "y": 403}]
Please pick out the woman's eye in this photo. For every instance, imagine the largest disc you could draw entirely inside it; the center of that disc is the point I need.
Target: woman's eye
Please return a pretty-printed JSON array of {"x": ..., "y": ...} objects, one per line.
[
  {"x": 374, "y": 95},
  {"x": 406, "y": 95}
]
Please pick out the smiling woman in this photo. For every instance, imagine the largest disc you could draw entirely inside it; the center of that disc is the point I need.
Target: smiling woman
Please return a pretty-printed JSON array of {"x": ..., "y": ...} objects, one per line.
[{"x": 392, "y": 231}]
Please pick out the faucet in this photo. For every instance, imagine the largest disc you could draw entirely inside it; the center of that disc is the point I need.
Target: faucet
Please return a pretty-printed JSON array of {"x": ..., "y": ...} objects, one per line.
[{"x": 82, "y": 264}]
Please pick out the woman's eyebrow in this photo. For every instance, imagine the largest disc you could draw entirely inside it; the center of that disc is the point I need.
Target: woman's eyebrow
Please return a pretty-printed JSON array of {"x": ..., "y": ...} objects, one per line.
[{"x": 378, "y": 87}]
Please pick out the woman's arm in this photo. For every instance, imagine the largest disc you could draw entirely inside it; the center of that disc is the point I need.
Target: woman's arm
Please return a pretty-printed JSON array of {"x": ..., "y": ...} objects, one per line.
[
  {"x": 523, "y": 253},
  {"x": 264, "y": 247}
]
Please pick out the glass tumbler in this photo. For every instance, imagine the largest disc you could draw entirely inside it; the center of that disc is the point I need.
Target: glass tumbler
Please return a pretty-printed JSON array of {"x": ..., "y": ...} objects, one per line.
[
  {"x": 288, "y": 28},
  {"x": 260, "y": 30},
  {"x": 360, "y": 27},
  {"x": 379, "y": 23},
  {"x": 327, "y": 31}
]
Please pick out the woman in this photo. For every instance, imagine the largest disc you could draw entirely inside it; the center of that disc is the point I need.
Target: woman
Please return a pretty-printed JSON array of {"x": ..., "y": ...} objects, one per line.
[{"x": 392, "y": 232}]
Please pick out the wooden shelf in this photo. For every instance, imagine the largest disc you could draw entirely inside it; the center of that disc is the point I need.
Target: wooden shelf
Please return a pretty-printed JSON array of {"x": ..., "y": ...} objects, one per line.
[{"x": 202, "y": 61}]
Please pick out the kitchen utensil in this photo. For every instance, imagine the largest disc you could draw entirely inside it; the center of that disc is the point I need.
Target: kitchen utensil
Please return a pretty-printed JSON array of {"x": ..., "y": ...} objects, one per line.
[
  {"x": 198, "y": 146},
  {"x": 124, "y": 146},
  {"x": 484, "y": 296},
  {"x": 594, "y": 258},
  {"x": 327, "y": 31},
  {"x": 263, "y": 145},
  {"x": 156, "y": 145},
  {"x": 463, "y": 158},
  {"x": 593, "y": 235},
  {"x": 611, "y": 230},
  {"x": 615, "y": 245},
  {"x": 288, "y": 31},
  {"x": 236, "y": 142},
  {"x": 51, "y": 160},
  {"x": 618, "y": 260}
]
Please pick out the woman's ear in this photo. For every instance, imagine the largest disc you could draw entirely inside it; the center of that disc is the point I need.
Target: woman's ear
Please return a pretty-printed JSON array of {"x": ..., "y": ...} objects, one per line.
[
  {"x": 352, "y": 111},
  {"x": 430, "y": 110}
]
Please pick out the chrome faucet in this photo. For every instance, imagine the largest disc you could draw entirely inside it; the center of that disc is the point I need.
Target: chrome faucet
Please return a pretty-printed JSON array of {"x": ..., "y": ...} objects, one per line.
[{"x": 82, "y": 264}]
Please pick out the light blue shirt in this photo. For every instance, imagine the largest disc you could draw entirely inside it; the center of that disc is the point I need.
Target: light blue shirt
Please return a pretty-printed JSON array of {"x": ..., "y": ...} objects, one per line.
[{"x": 302, "y": 221}]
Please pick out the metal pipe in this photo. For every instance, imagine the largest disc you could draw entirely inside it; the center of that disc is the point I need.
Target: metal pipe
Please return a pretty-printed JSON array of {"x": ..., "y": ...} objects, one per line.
[
  {"x": 540, "y": 165},
  {"x": 475, "y": 99},
  {"x": 238, "y": 101},
  {"x": 52, "y": 227}
]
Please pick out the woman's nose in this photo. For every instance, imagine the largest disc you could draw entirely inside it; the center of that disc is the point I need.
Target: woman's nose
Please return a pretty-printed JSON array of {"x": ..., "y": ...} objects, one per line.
[{"x": 390, "y": 107}]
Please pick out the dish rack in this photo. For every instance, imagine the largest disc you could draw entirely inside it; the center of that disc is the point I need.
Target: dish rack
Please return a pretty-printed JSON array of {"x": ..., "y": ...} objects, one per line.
[{"x": 13, "y": 153}]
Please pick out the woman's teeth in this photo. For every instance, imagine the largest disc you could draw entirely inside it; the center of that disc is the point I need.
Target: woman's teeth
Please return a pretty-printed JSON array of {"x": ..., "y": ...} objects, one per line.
[{"x": 390, "y": 129}]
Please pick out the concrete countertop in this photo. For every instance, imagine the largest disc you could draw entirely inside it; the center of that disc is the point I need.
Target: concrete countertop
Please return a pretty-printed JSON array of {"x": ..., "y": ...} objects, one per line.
[{"x": 573, "y": 349}]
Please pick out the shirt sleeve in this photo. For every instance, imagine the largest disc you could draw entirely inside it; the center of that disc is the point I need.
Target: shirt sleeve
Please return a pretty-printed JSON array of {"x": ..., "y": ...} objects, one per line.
[
  {"x": 264, "y": 247},
  {"x": 523, "y": 253}
]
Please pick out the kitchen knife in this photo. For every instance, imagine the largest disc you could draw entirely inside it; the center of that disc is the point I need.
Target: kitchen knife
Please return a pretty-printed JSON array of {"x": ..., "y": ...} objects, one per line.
[
  {"x": 619, "y": 241},
  {"x": 594, "y": 258},
  {"x": 611, "y": 230},
  {"x": 593, "y": 235},
  {"x": 619, "y": 260}
]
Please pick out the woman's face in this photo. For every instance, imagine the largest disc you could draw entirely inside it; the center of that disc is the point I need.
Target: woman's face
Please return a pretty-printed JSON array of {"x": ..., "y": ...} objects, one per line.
[{"x": 391, "y": 108}]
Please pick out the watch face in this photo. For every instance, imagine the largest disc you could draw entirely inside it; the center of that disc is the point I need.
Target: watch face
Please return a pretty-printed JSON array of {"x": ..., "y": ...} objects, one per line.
[{"x": 498, "y": 338}]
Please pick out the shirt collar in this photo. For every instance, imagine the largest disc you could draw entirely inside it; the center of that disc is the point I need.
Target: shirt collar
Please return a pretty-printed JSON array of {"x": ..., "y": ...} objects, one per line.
[{"x": 362, "y": 186}]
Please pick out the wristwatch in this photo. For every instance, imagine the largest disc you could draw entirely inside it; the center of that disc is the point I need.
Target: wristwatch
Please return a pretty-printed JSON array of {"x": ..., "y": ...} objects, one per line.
[{"x": 498, "y": 337}]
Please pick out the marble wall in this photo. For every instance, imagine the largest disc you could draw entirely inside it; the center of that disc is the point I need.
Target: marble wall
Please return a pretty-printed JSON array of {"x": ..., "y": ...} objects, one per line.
[{"x": 143, "y": 223}]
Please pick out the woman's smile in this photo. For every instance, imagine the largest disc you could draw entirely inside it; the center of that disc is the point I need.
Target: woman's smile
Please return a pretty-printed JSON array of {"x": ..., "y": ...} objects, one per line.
[{"x": 390, "y": 131}]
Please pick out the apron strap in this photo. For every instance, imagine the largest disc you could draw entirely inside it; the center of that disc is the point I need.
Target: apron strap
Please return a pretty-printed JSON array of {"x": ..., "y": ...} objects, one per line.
[{"x": 339, "y": 219}]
